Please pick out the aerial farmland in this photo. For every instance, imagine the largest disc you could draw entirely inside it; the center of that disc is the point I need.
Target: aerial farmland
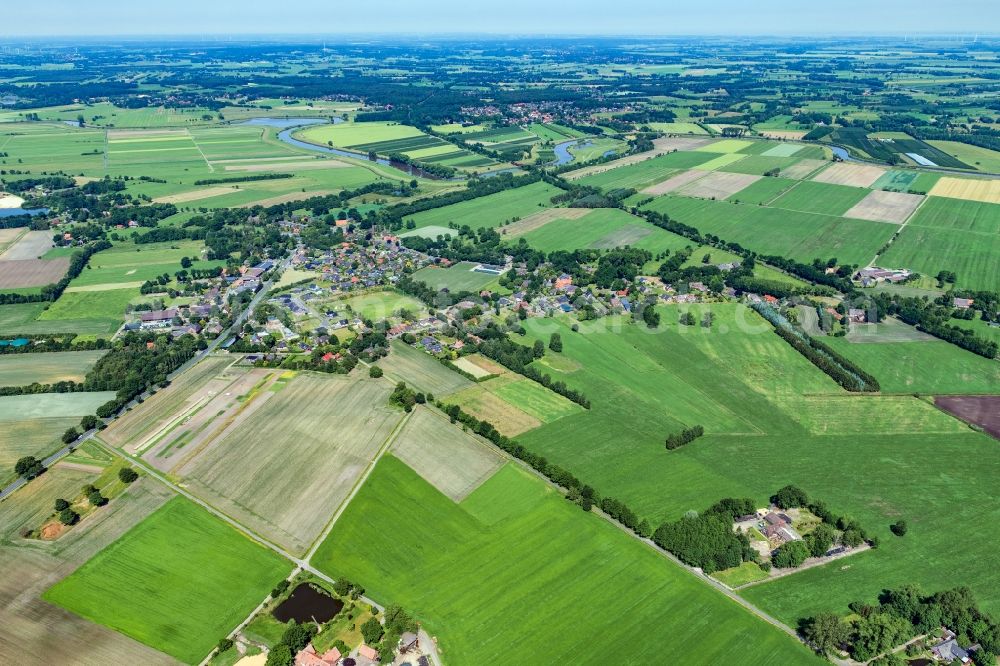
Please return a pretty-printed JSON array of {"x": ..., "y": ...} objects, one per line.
[{"x": 466, "y": 350}]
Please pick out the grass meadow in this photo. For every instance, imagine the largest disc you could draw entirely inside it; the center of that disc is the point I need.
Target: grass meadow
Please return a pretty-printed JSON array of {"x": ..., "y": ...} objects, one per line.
[
  {"x": 176, "y": 582},
  {"x": 603, "y": 228},
  {"x": 482, "y": 570},
  {"x": 459, "y": 277},
  {"x": 491, "y": 210},
  {"x": 22, "y": 369}
]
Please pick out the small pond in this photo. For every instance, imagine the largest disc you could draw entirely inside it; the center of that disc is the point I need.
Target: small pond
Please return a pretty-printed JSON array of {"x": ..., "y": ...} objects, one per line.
[
  {"x": 14, "y": 212},
  {"x": 307, "y": 604},
  {"x": 18, "y": 342}
]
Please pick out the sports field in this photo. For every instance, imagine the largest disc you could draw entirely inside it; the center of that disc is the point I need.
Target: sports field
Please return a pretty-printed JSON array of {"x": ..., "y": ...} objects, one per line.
[
  {"x": 22, "y": 369},
  {"x": 177, "y": 582},
  {"x": 285, "y": 461},
  {"x": 497, "y": 562},
  {"x": 459, "y": 277}
]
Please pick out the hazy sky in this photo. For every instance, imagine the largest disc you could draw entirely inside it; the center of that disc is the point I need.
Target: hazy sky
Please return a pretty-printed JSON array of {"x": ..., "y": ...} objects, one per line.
[{"x": 330, "y": 17}]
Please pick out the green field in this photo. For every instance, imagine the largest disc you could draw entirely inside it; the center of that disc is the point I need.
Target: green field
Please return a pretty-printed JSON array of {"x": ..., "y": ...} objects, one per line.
[
  {"x": 797, "y": 235},
  {"x": 459, "y": 277},
  {"x": 347, "y": 135},
  {"x": 533, "y": 398},
  {"x": 491, "y": 210},
  {"x": 421, "y": 371},
  {"x": 954, "y": 235},
  {"x": 24, "y": 318},
  {"x": 645, "y": 173},
  {"x": 813, "y": 197},
  {"x": 177, "y": 582},
  {"x": 104, "y": 305},
  {"x": 763, "y": 191},
  {"x": 512, "y": 555},
  {"x": 603, "y": 228},
  {"x": 382, "y": 305},
  {"x": 22, "y": 369}
]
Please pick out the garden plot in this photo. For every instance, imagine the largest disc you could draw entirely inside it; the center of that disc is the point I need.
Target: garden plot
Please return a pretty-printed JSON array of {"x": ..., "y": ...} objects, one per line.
[
  {"x": 987, "y": 191},
  {"x": 718, "y": 185},
  {"x": 284, "y": 468},
  {"x": 674, "y": 182},
  {"x": 882, "y": 206},
  {"x": 451, "y": 460},
  {"x": 856, "y": 175}
]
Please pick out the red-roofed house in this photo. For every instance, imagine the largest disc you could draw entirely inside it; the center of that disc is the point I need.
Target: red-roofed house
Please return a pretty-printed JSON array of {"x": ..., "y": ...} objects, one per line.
[{"x": 368, "y": 652}]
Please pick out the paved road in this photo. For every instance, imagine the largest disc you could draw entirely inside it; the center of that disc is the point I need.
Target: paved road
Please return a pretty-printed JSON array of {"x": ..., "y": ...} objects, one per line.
[{"x": 212, "y": 346}]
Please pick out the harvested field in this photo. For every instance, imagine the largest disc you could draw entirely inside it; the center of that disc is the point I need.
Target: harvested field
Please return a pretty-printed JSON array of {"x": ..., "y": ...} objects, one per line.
[
  {"x": 123, "y": 134},
  {"x": 719, "y": 185},
  {"x": 22, "y": 369},
  {"x": 451, "y": 460},
  {"x": 674, "y": 182},
  {"x": 285, "y": 466},
  {"x": 31, "y": 246},
  {"x": 30, "y": 437},
  {"x": 31, "y": 272},
  {"x": 783, "y": 150},
  {"x": 882, "y": 206},
  {"x": 195, "y": 195},
  {"x": 421, "y": 371},
  {"x": 27, "y": 623},
  {"x": 487, "y": 364},
  {"x": 8, "y": 236},
  {"x": 541, "y": 218},
  {"x": 508, "y": 419},
  {"x": 980, "y": 410},
  {"x": 987, "y": 191},
  {"x": 668, "y": 143},
  {"x": 802, "y": 168},
  {"x": 856, "y": 175},
  {"x": 289, "y": 166},
  {"x": 783, "y": 134},
  {"x": 158, "y": 411},
  {"x": 468, "y": 366},
  {"x": 286, "y": 198}
]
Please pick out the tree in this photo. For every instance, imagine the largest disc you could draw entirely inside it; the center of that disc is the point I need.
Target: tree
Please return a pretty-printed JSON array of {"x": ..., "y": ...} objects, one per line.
[
  {"x": 852, "y": 538},
  {"x": 538, "y": 349},
  {"x": 555, "y": 342},
  {"x": 280, "y": 655},
  {"x": 61, "y": 504},
  {"x": 89, "y": 422},
  {"x": 397, "y": 620},
  {"x": 70, "y": 435},
  {"x": 28, "y": 467},
  {"x": 372, "y": 631},
  {"x": 898, "y": 528},
  {"x": 687, "y": 319},
  {"x": 877, "y": 633},
  {"x": 343, "y": 587},
  {"x": 127, "y": 475},
  {"x": 297, "y": 636},
  {"x": 790, "y": 555},
  {"x": 790, "y": 497},
  {"x": 96, "y": 498},
  {"x": 224, "y": 644},
  {"x": 820, "y": 539},
  {"x": 826, "y": 632},
  {"x": 185, "y": 262},
  {"x": 374, "y": 372},
  {"x": 68, "y": 516},
  {"x": 651, "y": 316}
]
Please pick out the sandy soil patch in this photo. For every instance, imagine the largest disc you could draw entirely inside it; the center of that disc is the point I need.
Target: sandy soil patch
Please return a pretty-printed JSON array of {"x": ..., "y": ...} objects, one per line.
[
  {"x": 289, "y": 166},
  {"x": 51, "y": 531},
  {"x": 855, "y": 175},
  {"x": 285, "y": 198},
  {"x": 802, "y": 168},
  {"x": 674, "y": 182},
  {"x": 31, "y": 246},
  {"x": 465, "y": 365},
  {"x": 10, "y": 201},
  {"x": 882, "y": 206},
  {"x": 987, "y": 191},
  {"x": 195, "y": 195},
  {"x": 32, "y": 272},
  {"x": 540, "y": 219},
  {"x": 719, "y": 185},
  {"x": 83, "y": 180},
  {"x": 255, "y": 660}
]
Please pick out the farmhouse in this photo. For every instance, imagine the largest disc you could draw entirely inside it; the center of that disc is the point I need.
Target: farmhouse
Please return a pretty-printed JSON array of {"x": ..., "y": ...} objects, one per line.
[
  {"x": 949, "y": 651},
  {"x": 408, "y": 641},
  {"x": 308, "y": 657},
  {"x": 857, "y": 315},
  {"x": 778, "y": 527},
  {"x": 157, "y": 318},
  {"x": 962, "y": 303}
]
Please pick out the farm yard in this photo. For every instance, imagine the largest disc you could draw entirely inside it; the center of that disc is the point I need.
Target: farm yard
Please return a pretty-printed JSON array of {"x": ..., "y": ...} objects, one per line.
[{"x": 403, "y": 539}]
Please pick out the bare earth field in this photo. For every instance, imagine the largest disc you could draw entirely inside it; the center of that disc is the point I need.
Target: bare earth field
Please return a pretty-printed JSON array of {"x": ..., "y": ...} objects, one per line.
[
  {"x": 719, "y": 185},
  {"x": 882, "y": 206},
  {"x": 674, "y": 182},
  {"x": 34, "y": 632},
  {"x": 284, "y": 468},
  {"x": 32, "y": 272},
  {"x": 856, "y": 175},
  {"x": 540, "y": 219},
  {"x": 31, "y": 246},
  {"x": 454, "y": 462},
  {"x": 981, "y": 410},
  {"x": 802, "y": 168}
]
